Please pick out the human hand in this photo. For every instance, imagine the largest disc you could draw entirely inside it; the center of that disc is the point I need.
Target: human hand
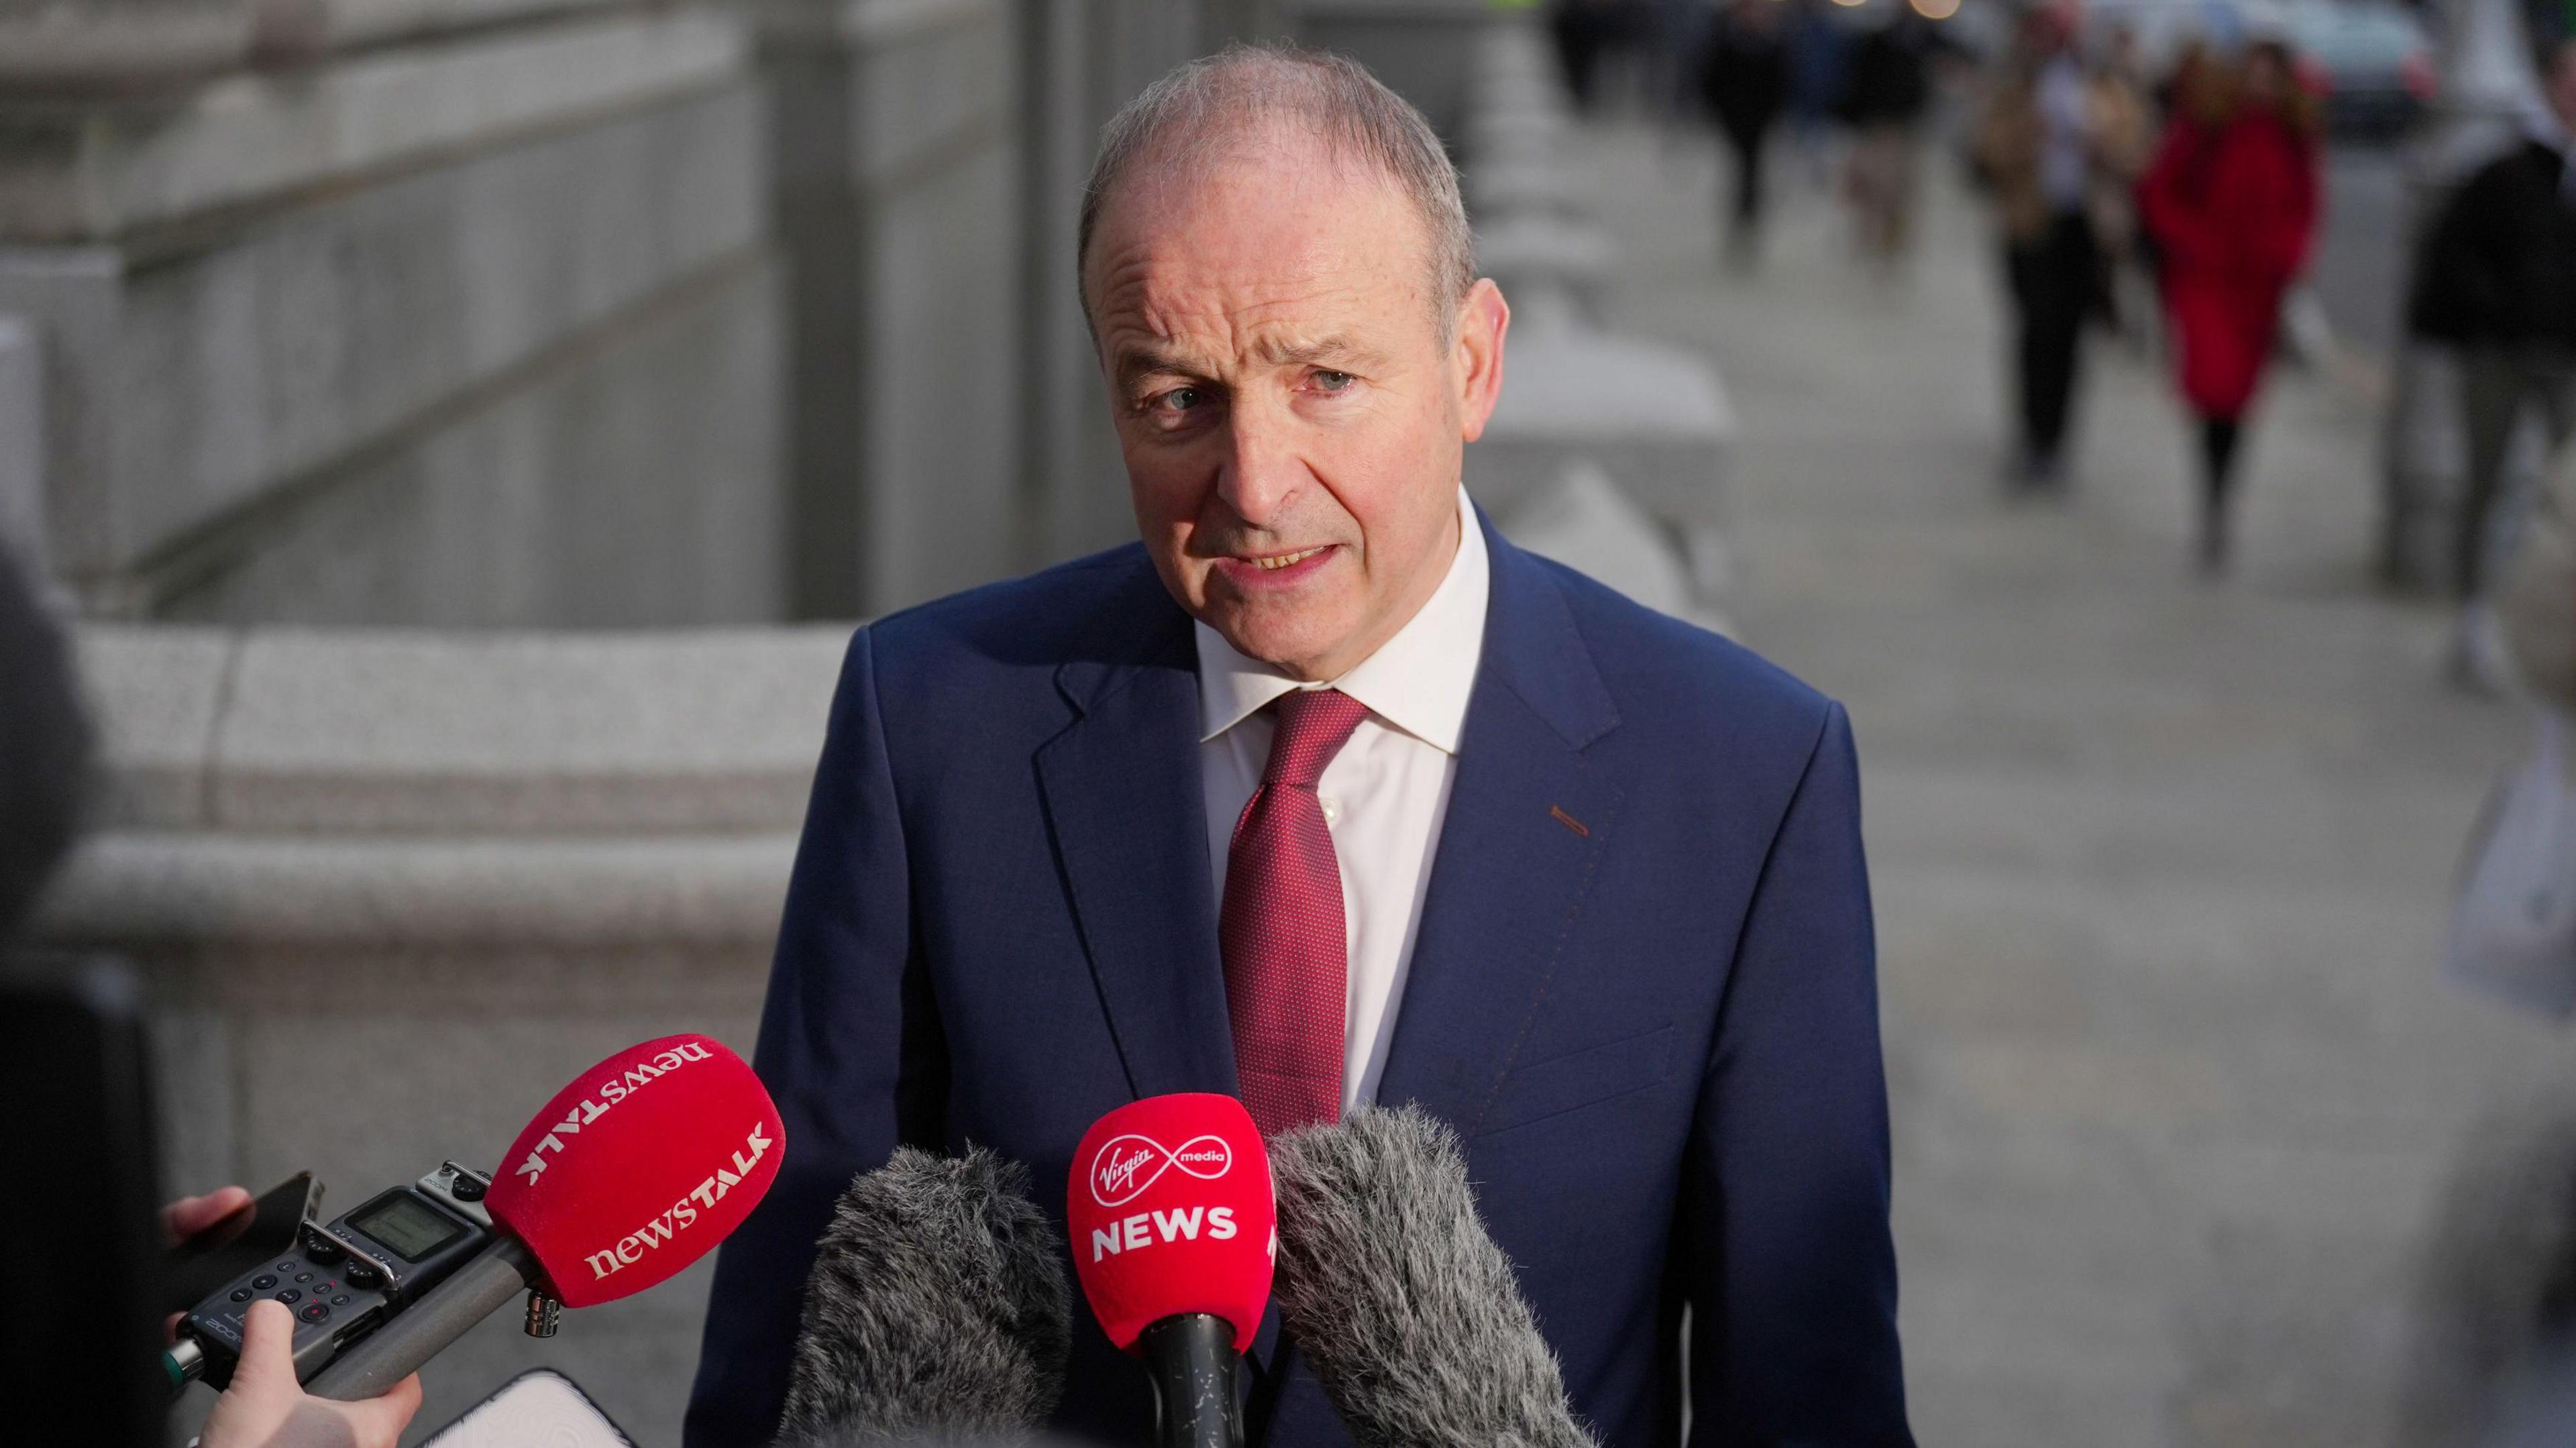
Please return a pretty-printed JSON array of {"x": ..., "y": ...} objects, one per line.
[
  {"x": 187, "y": 1217},
  {"x": 266, "y": 1408}
]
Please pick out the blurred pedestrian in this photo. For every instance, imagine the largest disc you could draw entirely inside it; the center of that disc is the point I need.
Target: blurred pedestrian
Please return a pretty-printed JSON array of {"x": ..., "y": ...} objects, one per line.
[
  {"x": 2033, "y": 149},
  {"x": 1588, "y": 32},
  {"x": 2497, "y": 278},
  {"x": 2231, "y": 200},
  {"x": 1679, "y": 37},
  {"x": 1885, "y": 97},
  {"x": 1744, "y": 79},
  {"x": 1819, "y": 57},
  {"x": 2124, "y": 139}
]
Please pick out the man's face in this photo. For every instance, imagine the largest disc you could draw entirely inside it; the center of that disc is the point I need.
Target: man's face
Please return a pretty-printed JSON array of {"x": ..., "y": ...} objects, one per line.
[{"x": 1291, "y": 416}]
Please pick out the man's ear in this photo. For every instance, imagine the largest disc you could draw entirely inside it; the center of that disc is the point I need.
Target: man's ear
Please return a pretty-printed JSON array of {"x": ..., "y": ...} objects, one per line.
[{"x": 1476, "y": 358}]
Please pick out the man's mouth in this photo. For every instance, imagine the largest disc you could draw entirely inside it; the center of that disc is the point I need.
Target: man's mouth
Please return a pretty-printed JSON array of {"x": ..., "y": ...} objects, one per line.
[{"x": 1285, "y": 560}]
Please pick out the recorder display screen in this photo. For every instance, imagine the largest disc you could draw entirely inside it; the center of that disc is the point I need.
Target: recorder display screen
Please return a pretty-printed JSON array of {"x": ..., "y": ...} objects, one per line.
[{"x": 408, "y": 1225}]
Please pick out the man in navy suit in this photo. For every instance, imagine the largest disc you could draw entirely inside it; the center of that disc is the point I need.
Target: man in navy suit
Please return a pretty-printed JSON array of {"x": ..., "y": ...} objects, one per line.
[{"x": 1324, "y": 794}]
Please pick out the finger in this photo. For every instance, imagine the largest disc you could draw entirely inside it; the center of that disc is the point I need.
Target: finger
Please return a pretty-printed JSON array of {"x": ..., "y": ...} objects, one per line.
[
  {"x": 382, "y": 1419},
  {"x": 268, "y": 1344},
  {"x": 188, "y": 1216}
]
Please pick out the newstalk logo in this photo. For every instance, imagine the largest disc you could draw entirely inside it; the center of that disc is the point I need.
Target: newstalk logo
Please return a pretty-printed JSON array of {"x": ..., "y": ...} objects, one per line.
[
  {"x": 1125, "y": 1166},
  {"x": 603, "y": 1096},
  {"x": 682, "y": 1214}
]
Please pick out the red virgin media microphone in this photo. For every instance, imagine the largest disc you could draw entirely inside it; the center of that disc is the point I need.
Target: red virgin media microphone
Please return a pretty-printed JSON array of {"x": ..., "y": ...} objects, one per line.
[
  {"x": 1173, "y": 1228},
  {"x": 635, "y": 1170}
]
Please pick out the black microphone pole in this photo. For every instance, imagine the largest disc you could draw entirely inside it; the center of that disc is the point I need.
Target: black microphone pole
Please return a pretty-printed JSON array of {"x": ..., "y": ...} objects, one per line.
[{"x": 1191, "y": 1358}]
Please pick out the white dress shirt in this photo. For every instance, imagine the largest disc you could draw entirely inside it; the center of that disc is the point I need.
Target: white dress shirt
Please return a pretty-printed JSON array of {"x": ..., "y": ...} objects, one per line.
[{"x": 1384, "y": 794}]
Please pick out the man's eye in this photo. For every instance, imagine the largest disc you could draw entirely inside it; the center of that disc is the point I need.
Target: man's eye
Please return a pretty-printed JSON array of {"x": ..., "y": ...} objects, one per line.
[
  {"x": 1179, "y": 399},
  {"x": 1331, "y": 381}
]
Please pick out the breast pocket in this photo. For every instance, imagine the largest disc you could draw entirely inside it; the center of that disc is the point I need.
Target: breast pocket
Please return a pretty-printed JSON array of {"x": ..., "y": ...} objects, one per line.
[{"x": 1540, "y": 1090}]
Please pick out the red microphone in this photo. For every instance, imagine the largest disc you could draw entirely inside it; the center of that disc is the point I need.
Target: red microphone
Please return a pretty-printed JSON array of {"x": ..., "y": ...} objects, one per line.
[
  {"x": 1174, "y": 1231},
  {"x": 638, "y": 1167},
  {"x": 635, "y": 1170}
]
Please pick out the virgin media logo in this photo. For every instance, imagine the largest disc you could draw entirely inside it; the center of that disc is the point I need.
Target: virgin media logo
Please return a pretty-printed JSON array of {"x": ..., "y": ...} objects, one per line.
[{"x": 1126, "y": 1165}]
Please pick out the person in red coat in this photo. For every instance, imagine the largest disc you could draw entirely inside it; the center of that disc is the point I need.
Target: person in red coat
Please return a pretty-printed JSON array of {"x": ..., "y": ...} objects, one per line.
[{"x": 2231, "y": 201}]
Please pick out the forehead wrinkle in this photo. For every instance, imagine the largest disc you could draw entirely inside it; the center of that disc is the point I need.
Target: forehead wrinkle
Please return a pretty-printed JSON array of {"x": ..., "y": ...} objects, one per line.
[
  {"x": 1210, "y": 335},
  {"x": 1327, "y": 251},
  {"x": 1282, "y": 352}
]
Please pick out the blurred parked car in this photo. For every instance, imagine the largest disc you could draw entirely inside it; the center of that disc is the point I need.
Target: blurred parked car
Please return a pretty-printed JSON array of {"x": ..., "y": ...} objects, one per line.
[{"x": 2371, "y": 58}]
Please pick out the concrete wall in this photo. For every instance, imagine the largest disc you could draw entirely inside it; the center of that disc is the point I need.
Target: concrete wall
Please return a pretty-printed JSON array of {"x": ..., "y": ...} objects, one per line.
[
  {"x": 564, "y": 312},
  {"x": 466, "y": 328},
  {"x": 896, "y": 141}
]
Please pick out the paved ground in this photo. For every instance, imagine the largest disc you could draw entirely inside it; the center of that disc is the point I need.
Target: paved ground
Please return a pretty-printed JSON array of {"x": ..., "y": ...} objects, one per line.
[
  {"x": 2161, "y": 865},
  {"x": 2360, "y": 270}
]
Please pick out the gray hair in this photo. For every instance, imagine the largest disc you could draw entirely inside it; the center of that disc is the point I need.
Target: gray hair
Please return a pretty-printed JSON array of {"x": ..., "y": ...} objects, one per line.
[{"x": 1183, "y": 120}]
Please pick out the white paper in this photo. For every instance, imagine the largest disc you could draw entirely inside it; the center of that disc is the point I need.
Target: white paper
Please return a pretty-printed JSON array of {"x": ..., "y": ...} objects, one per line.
[{"x": 541, "y": 1409}]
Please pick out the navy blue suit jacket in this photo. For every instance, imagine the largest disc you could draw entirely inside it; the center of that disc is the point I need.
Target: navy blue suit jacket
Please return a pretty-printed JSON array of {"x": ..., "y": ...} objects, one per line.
[{"x": 1642, "y": 990}]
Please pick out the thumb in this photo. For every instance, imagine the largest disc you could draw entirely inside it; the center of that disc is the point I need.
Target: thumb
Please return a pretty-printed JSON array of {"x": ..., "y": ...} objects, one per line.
[
  {"x": 268, "y": 1347},
  {"x": 382, "y": 1419}
]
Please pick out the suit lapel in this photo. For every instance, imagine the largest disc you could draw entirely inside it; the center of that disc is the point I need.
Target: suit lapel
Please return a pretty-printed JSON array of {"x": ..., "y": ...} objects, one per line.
[
  {"x": 1528, "y": 820},
  {"x": 1126, "y": 811}
]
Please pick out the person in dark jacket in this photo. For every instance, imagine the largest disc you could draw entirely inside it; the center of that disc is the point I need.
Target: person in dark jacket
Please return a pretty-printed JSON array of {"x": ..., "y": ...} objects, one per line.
[
  {"x": 1744, "y": 80},
  {"x": 1817, "y": 51},
  {"x": 1885, "y": 96},
  {"x": 2497, "y": 278},
  {"x": 1587, "y": 33},
  {"x": 2037, "y": 150},
  {"x": 2231, "y": 201}
]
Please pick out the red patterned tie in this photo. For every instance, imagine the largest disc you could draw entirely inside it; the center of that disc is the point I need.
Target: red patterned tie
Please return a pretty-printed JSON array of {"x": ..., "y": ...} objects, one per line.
[{"x": 1286, "y": 944}]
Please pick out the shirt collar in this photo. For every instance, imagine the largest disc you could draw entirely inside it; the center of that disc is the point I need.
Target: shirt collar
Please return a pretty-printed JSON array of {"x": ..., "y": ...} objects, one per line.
[{"x": 1418, "y": 681}]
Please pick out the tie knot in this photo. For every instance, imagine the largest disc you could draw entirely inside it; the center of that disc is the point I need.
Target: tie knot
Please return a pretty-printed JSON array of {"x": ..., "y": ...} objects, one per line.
[{"x": 1314, "y": 724}]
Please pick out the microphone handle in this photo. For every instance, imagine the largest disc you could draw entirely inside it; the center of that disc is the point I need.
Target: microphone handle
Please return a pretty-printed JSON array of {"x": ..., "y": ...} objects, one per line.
[
  {"x": 1191, "y": 1358},
  {"x": 393, "y": 1352}
]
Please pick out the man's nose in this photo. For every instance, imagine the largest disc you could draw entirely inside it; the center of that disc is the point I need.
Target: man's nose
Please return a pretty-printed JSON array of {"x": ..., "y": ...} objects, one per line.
[{"x": 1264, "y": 471}]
